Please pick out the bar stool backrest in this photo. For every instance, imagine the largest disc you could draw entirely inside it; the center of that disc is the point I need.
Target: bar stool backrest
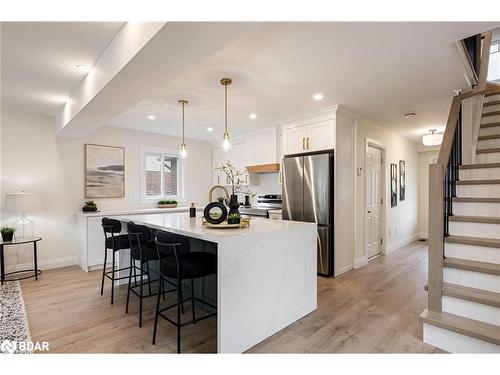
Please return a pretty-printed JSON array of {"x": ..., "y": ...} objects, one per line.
[
  {"x": 139, "y": 232},
  {"x": 112, "y": 226},
  {"x": 163, "y": 239}
]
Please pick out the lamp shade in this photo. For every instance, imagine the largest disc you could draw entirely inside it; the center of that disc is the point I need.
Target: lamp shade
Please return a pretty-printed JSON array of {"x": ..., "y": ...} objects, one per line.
[
  {"x": 22, "y": 202},
  {"x": 432, "y": 139}
]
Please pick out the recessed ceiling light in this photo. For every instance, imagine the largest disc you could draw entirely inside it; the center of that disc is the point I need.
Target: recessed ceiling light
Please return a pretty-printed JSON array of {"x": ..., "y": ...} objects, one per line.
[
  {"x": 152, "y": 117},
  {"x": 83, "y": 68},
  {"x": 318, "y": 96},
  {"x": 253, "y": 116},
  {"x": 409, "y": 115},
  {"x": 209, "y": 129}
]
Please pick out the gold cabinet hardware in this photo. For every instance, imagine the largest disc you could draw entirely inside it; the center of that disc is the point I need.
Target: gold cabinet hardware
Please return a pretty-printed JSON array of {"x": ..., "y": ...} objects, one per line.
[
  {"x": 303, "y": 143},
  {"x": 218, "y": 180},
  {"x": 307, "y": 143}
]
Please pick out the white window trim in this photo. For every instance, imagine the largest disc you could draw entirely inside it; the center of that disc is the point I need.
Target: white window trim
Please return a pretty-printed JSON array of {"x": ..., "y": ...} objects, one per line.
[{"x": 182, "y": 164}]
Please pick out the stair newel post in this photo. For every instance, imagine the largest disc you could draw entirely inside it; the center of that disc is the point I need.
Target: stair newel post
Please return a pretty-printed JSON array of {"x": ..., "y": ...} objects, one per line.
[{"x": 436, "y": 235}]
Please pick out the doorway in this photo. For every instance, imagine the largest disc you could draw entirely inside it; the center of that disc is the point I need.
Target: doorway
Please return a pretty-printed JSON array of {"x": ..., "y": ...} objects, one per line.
[{"x": 374, "y": 201}]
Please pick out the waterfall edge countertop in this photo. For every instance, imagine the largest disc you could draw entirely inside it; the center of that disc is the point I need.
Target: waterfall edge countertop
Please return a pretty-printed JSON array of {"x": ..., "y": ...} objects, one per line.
[
  {"x": 181, "y": 223},
  {"x": 266, "y": 274}
]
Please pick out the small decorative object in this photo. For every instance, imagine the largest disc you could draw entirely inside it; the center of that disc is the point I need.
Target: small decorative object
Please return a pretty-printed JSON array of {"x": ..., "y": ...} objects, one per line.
[
  {"x": 220, "y": 200},
  {"x": 192, "y": 210},
  {"x": 167, "y": 204},
  {"x": 7, "y": 233},
  {"x": 233, "y": 218},
  {"x": 104, "y": 171},
  {"x": 402, "y": 180},
  {"x": 244, "y": 223},
  {"x": 236, "y": 179},
  {"x": 23, "y": 203},
  {"x": 89, "y": 206},
  {"x": 394, "y": 185},
  {"x": 215, "y": 213}
]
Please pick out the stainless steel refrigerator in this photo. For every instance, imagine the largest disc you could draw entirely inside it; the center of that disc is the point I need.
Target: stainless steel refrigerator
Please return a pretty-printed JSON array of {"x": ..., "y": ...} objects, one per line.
[{"x": 308, "y": 196}]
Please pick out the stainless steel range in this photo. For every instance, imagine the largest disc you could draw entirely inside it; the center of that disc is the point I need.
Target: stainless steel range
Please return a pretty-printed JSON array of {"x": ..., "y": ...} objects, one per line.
[{"x": 265, "y": 202}]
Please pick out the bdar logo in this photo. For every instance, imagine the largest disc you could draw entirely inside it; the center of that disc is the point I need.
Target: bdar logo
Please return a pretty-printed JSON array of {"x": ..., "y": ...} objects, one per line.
[{"x": 8, "y": 346}]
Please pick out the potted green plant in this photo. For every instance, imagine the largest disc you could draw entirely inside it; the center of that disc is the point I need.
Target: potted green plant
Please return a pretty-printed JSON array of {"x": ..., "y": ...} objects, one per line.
[
  {"x": 89, "y": 206},
  {"x": 165, "y": 203},
  {"x": 7, "y": 233},
  {"x": 233, "y": 218}
]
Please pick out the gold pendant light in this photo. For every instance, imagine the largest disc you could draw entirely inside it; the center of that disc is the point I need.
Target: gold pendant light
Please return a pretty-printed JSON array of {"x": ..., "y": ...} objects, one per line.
[
  {"x": 226, "y": 144},
  {"x": 183, "y": 150}
]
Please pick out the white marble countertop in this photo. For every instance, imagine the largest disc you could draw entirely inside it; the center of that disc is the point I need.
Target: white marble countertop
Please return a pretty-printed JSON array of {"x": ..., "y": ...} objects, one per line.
[
  {"x": 154, "y": 210},
  {"x": 181, "y": 223}
]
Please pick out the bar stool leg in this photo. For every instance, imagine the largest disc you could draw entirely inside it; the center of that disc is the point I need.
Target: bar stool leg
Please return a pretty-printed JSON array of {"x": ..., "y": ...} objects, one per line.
[
  {"x": 140, "y": 298},
  {"x": 158, "y": 309},
  {"x": 149, "y": 277},
  {"x": 104, "y": 269},
  {"x": 132, "y": 264},
  {"x": 192, "y": 301},
  {"x": 135, "y": 274},
  {"x": 179, "y": 304},
  {"x": 113, "y": 278},
  {"x": 179, "y": 285}
]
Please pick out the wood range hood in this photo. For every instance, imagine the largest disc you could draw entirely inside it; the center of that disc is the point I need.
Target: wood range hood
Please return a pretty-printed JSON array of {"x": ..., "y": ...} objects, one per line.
[{"x": 264, "y": 168}]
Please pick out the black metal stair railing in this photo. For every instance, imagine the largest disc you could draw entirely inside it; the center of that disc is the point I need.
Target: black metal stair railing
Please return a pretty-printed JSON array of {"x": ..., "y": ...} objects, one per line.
[{"x": 452, "y": 174}]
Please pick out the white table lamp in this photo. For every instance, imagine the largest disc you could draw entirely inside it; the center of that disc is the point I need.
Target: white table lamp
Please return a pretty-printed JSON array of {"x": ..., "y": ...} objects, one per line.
[{"x": 23, "y": 203}]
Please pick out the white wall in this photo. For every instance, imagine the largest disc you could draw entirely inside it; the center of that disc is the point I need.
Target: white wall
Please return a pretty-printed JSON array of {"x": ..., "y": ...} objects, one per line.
[
  {"x": 33, "y": 159},
  {"x": 401, "y": 221},
  {"x": 424, "y": 159}
]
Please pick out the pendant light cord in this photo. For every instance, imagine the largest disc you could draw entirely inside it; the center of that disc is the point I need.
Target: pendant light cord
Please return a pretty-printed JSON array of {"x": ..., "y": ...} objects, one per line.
[{"x": 225, "y": 109}]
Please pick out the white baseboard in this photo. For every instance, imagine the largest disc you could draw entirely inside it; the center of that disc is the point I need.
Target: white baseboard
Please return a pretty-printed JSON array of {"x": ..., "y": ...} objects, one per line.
[
  {"x": 342, "y": 270},
  {"x": 423, "y": 236},
  {"x": 45, "y": 264},
  {"x": 402, "y": 242},
  {"x": 360, "y": 262}
]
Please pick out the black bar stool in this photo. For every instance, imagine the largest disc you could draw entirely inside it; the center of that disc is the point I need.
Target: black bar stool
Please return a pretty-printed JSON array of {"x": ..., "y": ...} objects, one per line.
[
  {"x": 113, "y": 241},
  {"x": 178, "y": 262},
  {"x": 143, "y": 250}
]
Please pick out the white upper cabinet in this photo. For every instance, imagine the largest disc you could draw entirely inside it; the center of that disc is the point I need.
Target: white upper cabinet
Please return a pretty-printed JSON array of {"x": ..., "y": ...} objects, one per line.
[
  {"x": 236, "y": 156},
  {"x": 309, "y": 137}
]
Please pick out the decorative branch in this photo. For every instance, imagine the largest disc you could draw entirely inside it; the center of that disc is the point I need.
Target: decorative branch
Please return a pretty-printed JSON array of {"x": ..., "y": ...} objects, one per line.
[{"x": 235, "y": 177}]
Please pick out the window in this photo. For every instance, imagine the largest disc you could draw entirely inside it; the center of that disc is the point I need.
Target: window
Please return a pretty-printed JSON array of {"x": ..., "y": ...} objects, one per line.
[
  {"x": 494, "y": 64},
  {"x": 162, "y": 175}
]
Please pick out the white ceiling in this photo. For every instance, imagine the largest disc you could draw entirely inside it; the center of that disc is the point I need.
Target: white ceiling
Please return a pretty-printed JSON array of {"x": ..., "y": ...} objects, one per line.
[
  {"x": 380, "y": 70},
  {"x": 39, "y": 61}
]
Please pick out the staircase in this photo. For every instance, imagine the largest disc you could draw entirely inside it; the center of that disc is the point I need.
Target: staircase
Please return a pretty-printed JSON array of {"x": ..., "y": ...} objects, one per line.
[
  {"x": 469, "y": 316},
  {"x": 463, "y": 312}
]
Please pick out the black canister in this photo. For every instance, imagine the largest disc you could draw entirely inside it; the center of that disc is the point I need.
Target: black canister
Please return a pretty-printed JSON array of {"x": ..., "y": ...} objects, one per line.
[{"x": 192, "y": 210}]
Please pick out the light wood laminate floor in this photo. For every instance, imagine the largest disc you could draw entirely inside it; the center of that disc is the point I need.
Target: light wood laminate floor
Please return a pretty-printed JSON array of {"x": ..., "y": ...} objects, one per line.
[{"x": 371, "y": 310}]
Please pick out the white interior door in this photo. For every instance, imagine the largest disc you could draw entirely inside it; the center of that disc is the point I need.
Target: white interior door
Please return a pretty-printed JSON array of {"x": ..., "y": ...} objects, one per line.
[{"x": 373, "y": 201}]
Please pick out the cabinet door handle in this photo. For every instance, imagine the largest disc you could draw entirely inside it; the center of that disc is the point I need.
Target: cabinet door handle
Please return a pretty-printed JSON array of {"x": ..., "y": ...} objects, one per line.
[
  {"x": 307, "y": 143},
  {"x": 281, "y": 177},
  {"x": 246, "y": 179},
  {"x": 303, "y": 143},
  {"x": 218, "y": 180}
]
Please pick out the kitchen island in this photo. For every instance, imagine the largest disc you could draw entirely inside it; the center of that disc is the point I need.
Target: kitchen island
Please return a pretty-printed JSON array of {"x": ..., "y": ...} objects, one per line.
[{"x": 266, "y": 277}]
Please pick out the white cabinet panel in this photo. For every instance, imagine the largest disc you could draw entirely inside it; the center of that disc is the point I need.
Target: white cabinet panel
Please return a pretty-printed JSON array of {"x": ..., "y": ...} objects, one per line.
[
  {"x": 95, "y": 240},
  {"x": 321, "y": 136},
  {"x": 295, "y": 140},
  {"x": 316, "y": 136}
]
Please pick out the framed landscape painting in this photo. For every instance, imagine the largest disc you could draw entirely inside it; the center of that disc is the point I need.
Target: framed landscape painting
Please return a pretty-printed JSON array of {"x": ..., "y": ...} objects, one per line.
[{"x": 104, "y": 171}]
